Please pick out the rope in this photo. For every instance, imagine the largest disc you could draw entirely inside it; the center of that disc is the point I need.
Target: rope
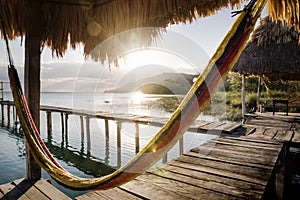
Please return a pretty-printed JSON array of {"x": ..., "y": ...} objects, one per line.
[
  {"x": 193, "y": 104},
  {"x": 272, "y": 96}
]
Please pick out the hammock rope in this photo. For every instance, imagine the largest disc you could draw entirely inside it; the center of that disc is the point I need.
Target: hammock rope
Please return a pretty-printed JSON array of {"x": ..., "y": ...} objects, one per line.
[
  {"x": 193, "y": 104},
  {"x": 272, "y": 95}
]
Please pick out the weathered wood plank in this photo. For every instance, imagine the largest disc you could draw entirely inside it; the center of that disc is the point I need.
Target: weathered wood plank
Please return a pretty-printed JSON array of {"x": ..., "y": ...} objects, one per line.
[
  {"x": 228, "y": 127},
  {"x": 49, "y": 190},
  {"x": 93, "y": 196},
  {"x": 248, "y": 145},
  {"x": 222, "y": 156},
  {"x": 258, "y": 140},
  {"x": 10, "y": 191},
  {"x": 150, "y": 191},
  {"x": 117, "y": 193},
  {"x": 242, "y": 184},
  {"x": 232, "y": 153},
  {"x": 239, "y": 150},
  {"x": 255, "y": 175},
  {"x": 217, "y": 184},
  {"x": 284, "y": 135},
  {"x": 243, "y": 141},
  {"x": 29, "y": 190},
  {"x": 187, "y": 189}
]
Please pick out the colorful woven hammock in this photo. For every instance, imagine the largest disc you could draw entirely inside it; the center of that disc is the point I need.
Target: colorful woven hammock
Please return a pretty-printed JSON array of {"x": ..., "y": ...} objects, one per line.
[{"x": 194, "y": 103}]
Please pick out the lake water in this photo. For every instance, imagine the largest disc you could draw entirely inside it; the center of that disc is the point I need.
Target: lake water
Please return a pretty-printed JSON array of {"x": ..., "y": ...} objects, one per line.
[{"x": 102, "y": 158}]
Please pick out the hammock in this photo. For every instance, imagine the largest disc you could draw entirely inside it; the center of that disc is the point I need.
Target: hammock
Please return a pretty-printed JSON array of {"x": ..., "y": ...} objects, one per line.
[
  {"x": 272, "y": 95},
  {"x": 194, "y": 103}
]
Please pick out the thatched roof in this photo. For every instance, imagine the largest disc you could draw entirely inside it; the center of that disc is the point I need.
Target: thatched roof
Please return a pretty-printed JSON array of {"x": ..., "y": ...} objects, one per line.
[
  {"x": 273, "y": 52},
  {"x": 70, "y": 22}
]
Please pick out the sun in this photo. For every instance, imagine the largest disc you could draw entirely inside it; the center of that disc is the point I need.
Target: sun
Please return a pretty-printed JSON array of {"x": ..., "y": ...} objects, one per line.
[{"x": 137, "y": 98}]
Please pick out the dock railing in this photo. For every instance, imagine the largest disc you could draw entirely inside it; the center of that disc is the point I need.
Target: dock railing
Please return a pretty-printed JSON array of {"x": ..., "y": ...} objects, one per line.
[{"x": 2, "y": 89}]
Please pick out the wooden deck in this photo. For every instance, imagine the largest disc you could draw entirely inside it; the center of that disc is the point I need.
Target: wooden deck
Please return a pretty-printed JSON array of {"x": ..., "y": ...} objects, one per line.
[
  {"x": 239, "y": 164},
  {"x": 23, "y": 189},
  {"x": 222, "y": 168}
]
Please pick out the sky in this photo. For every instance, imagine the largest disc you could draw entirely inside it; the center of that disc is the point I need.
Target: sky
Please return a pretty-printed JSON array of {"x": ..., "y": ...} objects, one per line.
[{"x": 183, "y": 48}]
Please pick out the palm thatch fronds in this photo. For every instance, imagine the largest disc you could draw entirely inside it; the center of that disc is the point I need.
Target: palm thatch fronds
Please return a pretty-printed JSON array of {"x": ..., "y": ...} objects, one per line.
[
  {"x": 70, "y": 22},
  {"x": 287, "y": 11},
  {"x": 272, "y": 52}
]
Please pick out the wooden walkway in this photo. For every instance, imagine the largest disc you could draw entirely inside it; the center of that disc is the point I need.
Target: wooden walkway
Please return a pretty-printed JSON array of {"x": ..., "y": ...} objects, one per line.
[
  {"x": 199, "y": 126},
  {"x": 23, "y": 189},
  {"x": 222, "y": 168},
  {"x": 241, "y": 165}
]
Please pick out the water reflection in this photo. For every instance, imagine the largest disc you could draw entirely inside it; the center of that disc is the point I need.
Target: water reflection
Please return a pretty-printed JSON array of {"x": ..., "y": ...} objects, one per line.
[{"x": 84, "y": 162}]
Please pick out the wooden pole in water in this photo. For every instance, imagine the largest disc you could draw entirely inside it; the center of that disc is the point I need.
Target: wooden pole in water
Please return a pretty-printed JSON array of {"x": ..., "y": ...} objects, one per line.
[
  {"x": 2, "y": 112},
  {"x": 137, "y": 138},
  {"x": 32, "y": 77},
  {"x": 119, "y": 126},
  {"x": 106, "y": 129},
  {"x": 8, "y": 114},
  {"x": 2, "y": 91},
  {"x": 62, "y": 123},
  {"x": 49, "y": 122},
  {"x": 88, "y": 134},
  {"x": 82, "y": 129},
  {"x": 66, "y": 128}
]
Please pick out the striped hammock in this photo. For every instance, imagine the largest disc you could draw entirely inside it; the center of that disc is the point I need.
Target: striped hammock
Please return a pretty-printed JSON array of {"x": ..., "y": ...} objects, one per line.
[{"x": 194, "y": 103}]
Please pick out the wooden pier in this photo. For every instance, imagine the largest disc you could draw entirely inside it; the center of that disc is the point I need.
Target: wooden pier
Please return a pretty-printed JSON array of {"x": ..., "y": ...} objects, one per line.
[
  {"x": 245, "y": 167},
  {"x": 35, "y": 190},
  {"x": 246, "y": 161}
]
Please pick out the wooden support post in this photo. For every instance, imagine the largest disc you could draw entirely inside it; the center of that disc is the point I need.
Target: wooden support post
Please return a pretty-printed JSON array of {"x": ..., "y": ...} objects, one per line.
[
  {"x": 2, "y": 91},
  {"x": 137, "y": 138},
  {"x": 181, "y": 146},
  {"x": 32, "y": 76},
  {"x": 66, "y": 128},
  {"x": 62, "y": 122},
  {"x": 2, "y": 113},
  {"x": 119, "y": 127},
  {"x": 49, "y": 122},
  {"x": 8, "y": 114},
  {"x": 88, "y": 134},
  {"x": 82, "y": 130},
  {"x": 165, "y": 158},
  {"x": 49, "y": 126},
  {"x": 106, "y": 128}
]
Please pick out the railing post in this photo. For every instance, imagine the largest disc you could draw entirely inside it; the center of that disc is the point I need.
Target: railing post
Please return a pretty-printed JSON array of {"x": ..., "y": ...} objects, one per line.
[
  {"x": 137, "y": 138},
  {"x": 82, "y": 130},
  {"x": 62, "y": 123},
  {"x": 88, "y": 134},
  {"x": 49, "y": 125},
  {"x": 66, "y": 128},
  {"x": 181, "y": 146},
  {"x": 8, "y": 114},
  {"x": 106, "y": 129},
  {"x": 2, "y": 112},
  {"x": 119, "y": 127},
  {"x": 2, "y": 91}
]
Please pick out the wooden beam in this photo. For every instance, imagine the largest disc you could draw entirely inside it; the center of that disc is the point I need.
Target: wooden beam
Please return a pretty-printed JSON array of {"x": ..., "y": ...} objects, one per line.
[{"x": 32, "y": 77}]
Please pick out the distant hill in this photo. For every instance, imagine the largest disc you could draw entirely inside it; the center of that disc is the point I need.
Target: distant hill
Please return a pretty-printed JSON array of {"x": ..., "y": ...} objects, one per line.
[{"x": 165, "y": 83}]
